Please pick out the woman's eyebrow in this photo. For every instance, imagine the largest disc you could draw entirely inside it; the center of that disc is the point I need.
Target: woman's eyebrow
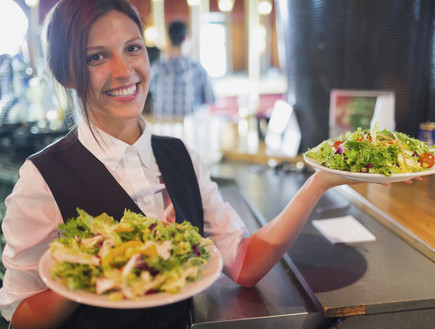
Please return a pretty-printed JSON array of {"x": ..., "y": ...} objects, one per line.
[{"x": 126, "y": 42}]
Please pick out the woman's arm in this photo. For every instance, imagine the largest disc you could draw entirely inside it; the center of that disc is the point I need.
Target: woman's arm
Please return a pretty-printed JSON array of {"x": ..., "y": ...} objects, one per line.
[
  {"x": 30, "y": 224},
  {"x": 46, "y": 310},
  {"x": 263, "y": 249}
]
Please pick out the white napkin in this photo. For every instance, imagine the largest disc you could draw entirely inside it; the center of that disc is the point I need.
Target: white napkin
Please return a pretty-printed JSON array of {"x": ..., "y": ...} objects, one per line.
[{"x": 343, "y": 230}]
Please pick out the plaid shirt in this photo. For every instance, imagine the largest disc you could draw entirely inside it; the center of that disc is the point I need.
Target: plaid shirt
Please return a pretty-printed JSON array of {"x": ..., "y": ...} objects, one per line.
[{"x": 179, "y": 86}]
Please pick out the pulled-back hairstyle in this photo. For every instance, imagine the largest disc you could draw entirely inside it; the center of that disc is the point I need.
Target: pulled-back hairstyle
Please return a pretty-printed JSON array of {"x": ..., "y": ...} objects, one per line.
[{"x": 68, "y": 27}]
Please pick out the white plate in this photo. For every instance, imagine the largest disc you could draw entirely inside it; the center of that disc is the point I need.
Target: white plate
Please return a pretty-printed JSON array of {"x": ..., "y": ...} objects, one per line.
[
  {"x": 208, "y": 276},
  {"x": 367, "y": 177}
]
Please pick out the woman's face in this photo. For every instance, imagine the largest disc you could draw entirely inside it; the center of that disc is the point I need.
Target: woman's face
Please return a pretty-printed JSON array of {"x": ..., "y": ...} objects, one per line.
[{"x": 119, "y": 70}]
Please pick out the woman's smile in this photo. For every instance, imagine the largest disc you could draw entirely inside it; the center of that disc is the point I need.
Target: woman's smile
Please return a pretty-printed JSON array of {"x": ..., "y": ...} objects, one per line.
[{"x": 123, "y": 92}]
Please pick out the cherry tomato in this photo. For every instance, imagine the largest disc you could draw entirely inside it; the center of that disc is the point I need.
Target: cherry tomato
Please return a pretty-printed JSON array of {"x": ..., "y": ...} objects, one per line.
[
  {"x": 427, "y": 160},
  {"x": 337, "y": 144}
]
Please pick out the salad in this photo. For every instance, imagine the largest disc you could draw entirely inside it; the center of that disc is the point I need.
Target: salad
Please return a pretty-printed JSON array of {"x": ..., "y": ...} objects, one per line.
[
  {"x": 131, "y": 258},
  {"x": 372, "y": 151}
]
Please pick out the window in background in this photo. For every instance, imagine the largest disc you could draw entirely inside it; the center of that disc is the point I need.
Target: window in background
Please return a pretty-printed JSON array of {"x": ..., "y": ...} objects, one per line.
[{"x": 213, "y": 49}]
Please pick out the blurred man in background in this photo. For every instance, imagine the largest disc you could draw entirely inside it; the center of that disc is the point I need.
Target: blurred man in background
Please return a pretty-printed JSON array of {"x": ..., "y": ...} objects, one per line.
[{"x": 179, "y": 84}]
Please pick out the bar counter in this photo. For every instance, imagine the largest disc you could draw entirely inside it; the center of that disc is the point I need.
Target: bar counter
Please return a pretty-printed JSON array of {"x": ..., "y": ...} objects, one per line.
[{"x": 386, "y": 283}]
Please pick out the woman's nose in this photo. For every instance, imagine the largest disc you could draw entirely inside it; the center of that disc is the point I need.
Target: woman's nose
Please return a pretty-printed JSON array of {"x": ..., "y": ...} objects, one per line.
[{"x": 122, "y": 67}]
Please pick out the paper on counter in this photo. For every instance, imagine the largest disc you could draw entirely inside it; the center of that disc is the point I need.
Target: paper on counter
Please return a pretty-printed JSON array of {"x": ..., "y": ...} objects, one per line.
[{"x": 345, "y": 229}]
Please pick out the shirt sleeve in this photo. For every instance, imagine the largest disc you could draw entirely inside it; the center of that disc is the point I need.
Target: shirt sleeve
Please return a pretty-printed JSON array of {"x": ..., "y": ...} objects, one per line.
[
  {"x": 222, "y": 224},
  {"x": 30, "y": 224}
]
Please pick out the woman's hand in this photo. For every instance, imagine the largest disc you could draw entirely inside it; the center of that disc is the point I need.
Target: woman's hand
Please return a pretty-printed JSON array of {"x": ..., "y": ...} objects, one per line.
[
  {"x": 327, "y": 180},
  {"x": 412, "y": 180},
  {"x": 331, "y": 180}
]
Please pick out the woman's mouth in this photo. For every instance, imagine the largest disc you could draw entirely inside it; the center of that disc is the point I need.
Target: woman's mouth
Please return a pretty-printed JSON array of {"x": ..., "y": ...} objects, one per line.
[{"x": 122, "y": 92}]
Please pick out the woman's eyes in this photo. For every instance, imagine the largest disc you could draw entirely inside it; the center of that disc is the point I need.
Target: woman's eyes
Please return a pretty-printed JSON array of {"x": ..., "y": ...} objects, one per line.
[
  {"x": 100, "y": 58},
  {"x": 134, "y": 48},
  {"x": 95, "y": 59}
]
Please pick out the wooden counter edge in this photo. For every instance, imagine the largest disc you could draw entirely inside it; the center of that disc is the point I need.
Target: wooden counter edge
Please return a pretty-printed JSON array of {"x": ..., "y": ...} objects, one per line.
[
  {"x": 344, "y": 311},
  {"x": 370, "y": 209}
]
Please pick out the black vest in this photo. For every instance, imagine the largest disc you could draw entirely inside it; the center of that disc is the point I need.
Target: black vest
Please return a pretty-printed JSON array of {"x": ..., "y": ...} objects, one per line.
[{"x": 77, "y": 179}]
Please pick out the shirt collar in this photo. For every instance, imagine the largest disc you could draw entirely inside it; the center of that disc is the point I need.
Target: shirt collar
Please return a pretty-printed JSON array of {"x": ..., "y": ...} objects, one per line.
[
  {"x": 143, "y": 144},
  {"x": 110, "y": 150}
]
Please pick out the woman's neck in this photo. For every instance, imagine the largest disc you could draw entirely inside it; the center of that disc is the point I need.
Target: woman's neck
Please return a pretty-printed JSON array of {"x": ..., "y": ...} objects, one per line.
[{"x": 127, "y": 131}]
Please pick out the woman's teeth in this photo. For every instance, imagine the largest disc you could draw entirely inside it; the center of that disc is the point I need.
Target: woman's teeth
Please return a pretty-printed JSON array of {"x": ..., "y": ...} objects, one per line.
[{"x": 123, "y": 92}]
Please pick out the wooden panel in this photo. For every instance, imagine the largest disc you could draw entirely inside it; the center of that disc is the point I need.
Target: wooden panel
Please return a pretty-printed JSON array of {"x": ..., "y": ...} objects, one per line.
[{"x": 407, "y": 209}]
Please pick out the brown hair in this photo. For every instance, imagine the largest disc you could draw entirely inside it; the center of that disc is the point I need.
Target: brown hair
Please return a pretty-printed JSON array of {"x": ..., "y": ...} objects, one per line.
[{"x": 67, "y": 37}]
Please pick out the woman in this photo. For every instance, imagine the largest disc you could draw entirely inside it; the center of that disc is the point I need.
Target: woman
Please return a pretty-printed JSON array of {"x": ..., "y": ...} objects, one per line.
[{"x": 111, "y": 162}]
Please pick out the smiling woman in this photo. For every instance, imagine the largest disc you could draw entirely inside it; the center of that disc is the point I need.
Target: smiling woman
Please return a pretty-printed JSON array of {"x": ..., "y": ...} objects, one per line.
[
  {"x": 95, "y": 68},
  {"x": 119, "y": 75}
]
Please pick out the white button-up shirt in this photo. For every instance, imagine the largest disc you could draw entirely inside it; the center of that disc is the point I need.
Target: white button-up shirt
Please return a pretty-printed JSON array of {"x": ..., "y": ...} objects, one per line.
[{"x": 32, "y": 215}]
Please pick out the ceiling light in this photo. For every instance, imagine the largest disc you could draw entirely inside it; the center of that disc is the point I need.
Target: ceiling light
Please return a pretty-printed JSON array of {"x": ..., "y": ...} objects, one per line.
[
  {"x": 226, "y": 5},
  {"x": 264, "y": 7}
]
